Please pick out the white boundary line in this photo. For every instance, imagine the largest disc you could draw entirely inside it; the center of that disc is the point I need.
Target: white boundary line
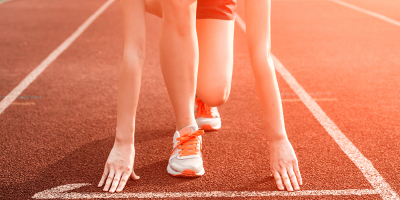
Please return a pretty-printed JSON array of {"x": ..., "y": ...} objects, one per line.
[
  {"x": 379, "y": 16},
  {"x": 366, "y": 167},
  {"x": 46, "y": 62},
  {"x": 60, "y": 193}
]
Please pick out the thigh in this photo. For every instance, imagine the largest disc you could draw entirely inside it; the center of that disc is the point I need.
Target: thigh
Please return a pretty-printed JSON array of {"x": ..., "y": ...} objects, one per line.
[
  {"x": 215, "y": 55},
  {"x": 216, "y": 9}
]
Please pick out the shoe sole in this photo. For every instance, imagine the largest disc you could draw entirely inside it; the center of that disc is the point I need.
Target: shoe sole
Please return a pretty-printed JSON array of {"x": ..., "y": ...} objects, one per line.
[
  {"x": 187, "y": 173},
  {"x": 208, "y": 127}
]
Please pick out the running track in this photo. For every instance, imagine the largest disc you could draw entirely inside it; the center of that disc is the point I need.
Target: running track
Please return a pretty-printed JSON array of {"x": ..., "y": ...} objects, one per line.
[{"x": 60, "y": 130}]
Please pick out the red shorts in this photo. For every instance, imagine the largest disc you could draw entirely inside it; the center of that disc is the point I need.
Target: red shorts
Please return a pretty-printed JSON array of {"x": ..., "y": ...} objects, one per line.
[{"x": 216, "y": 9}]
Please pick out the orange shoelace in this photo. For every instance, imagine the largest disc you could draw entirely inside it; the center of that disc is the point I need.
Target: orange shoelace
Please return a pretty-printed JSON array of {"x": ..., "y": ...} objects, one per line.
[
  {"x": 188, "y": 143},
  {"x": 202, "y": 109}
]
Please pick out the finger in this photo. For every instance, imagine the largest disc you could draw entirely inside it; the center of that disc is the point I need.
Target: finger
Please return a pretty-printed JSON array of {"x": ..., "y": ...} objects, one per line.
[
  {"x": 286, "y": 180},
  {"x": 134, "y": 176},
  {"x": 115, "y": 182},
  {"x": 123, "y": 181},
  {"x": 293, "y": 178},
  {"x": 103, "y": 178},
  {"x": 278, "y": 180},
  {"x": 297, "y": 173},
  {"x": 109, "y": 180}
]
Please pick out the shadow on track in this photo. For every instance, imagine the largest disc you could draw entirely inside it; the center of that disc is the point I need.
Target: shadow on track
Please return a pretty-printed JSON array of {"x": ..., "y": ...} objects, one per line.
[{"x": 86, "y": 164}]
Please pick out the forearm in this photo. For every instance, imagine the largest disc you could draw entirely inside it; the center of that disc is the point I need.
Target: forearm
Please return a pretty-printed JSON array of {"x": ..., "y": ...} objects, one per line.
[
  {"x": 258, "y": 35},
  {"x": 134, "y": 30},
  {"x": 269, "y": 96},
  {"x": 128, "y": 97}
]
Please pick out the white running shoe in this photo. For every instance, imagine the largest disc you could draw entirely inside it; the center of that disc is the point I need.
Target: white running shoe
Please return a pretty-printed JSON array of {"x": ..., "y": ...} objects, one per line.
[
  {"x": 186, "y": 159},
  {"x": 207, "y": 117}
]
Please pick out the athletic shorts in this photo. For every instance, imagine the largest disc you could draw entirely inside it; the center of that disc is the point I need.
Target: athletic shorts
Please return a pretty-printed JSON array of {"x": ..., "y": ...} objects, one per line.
[{"x": 216, "y": 9}]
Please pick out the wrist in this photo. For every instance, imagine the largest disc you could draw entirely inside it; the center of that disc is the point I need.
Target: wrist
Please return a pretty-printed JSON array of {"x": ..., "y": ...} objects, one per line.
[
  {"x": 276, "y": 133},
  {"x": 278, "y": 138},
  {"x": 125, "y": 137}
]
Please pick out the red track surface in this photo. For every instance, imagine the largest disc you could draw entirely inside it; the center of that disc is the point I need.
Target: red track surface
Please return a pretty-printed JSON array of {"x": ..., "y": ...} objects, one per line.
[{"x": 65, "y": 137}]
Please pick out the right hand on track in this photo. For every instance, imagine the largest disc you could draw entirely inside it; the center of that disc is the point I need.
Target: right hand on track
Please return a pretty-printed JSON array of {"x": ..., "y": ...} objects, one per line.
[
  {"x": 284, "y": 165},
  {"x": 118, "y": 168}
]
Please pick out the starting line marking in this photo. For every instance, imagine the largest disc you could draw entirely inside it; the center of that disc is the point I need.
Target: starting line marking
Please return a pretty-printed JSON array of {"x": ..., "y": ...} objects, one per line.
[
  {"x": 60, "y": 192},
  {"x": 365, "y": 166},
  {"x": 46, "y": 62}
]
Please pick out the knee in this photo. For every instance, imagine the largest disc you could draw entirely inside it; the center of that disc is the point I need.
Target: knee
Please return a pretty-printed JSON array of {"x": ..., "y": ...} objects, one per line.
[{"x": 214, "y": 97}]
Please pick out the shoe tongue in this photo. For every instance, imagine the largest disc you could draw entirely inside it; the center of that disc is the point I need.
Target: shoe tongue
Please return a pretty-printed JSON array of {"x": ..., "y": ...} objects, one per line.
[{"x": 187, "y": 130}]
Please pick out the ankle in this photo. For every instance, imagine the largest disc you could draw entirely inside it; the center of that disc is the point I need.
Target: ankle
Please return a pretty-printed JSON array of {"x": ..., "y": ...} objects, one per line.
[{"x": 181, "y": 126}]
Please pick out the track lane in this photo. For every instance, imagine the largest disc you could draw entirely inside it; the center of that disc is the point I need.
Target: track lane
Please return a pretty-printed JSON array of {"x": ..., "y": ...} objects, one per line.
[
  {"x": 31, "y": 29},
  {"x": 353, "y": 56},
  {"x": 16, "y": 92}
]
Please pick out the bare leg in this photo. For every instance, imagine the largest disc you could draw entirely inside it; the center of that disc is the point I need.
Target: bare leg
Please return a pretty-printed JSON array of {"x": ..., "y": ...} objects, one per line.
[
  {"x": 179, "y": 57},
  {"x": 216, "y": 60},
  {"x": 215, "y": 56}
]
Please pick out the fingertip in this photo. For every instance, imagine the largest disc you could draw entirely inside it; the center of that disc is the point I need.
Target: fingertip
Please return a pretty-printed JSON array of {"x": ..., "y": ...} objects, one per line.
[{"x": 135, "y": 177}]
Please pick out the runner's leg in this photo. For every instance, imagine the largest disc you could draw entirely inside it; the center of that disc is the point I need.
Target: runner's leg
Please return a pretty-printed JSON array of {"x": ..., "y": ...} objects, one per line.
[
  {"x": 216, "y": 60},
  {"x": 179, "y": 57},
  {"x": 215, "y": 38}
]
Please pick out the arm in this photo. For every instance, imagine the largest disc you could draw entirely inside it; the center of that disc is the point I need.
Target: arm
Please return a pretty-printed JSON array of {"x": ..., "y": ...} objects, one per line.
[
  {"x": 283, "y": 160},
  {"x": 119, "y": 165}
]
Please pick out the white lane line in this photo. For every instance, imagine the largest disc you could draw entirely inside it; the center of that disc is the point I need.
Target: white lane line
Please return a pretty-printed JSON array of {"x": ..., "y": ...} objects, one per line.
[
  {"x": 60, "y": 192},
  {"x": 379, "y": 16},
  {"x": 46, "y": 62},
  {"x": 365, "y": 166}
]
